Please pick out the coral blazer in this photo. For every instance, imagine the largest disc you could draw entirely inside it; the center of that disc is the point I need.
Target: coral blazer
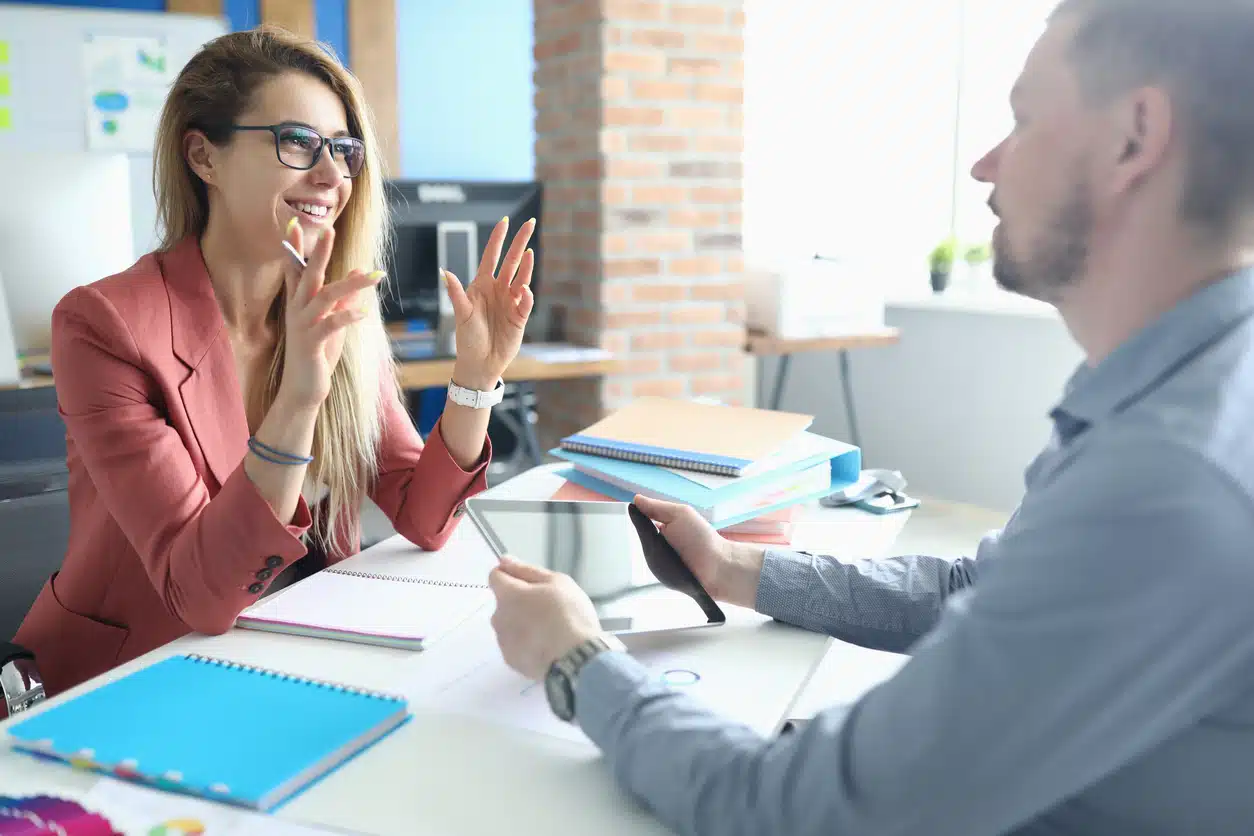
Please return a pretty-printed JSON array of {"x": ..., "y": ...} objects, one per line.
[{"x": 167, "y": 533}]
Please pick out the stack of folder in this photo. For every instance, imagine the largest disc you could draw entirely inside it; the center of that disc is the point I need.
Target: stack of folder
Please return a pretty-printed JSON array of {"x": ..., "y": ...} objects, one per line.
[{"x": 737, "y": 466}]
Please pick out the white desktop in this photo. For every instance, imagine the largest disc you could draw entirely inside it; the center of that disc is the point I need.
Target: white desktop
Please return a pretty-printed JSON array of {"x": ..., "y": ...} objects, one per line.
[{"x": 68, "y": 223}]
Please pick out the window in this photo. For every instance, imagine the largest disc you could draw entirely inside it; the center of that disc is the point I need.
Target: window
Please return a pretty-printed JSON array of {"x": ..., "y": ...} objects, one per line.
[{"x": 862, "y": 121}]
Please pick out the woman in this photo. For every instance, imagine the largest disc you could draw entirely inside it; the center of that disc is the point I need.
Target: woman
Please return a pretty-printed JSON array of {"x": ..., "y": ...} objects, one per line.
[{"x": 228, "y": 410}]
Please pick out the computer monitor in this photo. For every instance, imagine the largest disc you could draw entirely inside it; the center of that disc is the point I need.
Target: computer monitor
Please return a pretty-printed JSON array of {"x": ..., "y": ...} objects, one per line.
[
  {"x": 65, "y": 221},
  {"x": 446, "y": 224}
]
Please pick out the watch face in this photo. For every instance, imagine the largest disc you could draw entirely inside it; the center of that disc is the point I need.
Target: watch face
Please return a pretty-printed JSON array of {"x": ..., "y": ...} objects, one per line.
[{"x": 561, "y": 697}]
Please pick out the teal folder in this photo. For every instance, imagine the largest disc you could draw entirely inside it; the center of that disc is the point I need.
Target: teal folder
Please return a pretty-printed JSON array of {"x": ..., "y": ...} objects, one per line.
[{"x": 212, "y": 728}]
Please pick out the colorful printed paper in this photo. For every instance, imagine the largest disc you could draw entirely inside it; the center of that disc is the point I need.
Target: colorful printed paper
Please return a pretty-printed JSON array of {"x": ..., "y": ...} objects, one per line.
[
  {"x": 6, "y": 119},
  {"x": 4, "y": 53},
  {"x": 127, "y": 82},
  {"x": 6, "y": 88},
  {"x": 39, "y": 814}
]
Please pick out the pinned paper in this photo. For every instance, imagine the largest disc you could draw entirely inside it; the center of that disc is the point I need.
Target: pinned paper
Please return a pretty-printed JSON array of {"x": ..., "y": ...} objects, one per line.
[
  {"x": 4, "y": 53},
  {"x": 6, "y": 119},
  {"x": 127, "y": 81},
  {"x": 6, "y": 88}
]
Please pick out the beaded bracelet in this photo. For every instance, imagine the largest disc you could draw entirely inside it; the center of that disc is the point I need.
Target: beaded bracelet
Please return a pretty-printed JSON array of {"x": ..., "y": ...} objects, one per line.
[{"x": 269, "y": 454}]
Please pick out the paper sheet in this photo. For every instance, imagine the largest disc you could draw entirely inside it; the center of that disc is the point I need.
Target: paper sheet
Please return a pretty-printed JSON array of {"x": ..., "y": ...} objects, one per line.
[
  {"x": 470, "y": 678},
  {"x": 127, "y": 82},
  {"x": 113, "y": 806}
]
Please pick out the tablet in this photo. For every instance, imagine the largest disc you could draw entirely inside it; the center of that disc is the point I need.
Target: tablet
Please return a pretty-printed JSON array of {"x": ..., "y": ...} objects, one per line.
[{"x": 636, "y": 581}]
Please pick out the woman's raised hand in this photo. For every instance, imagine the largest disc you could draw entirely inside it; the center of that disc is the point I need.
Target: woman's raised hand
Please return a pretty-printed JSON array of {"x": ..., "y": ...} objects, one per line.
[
  {"x": 492, "y": 312},
  {"x": 317, "y": 315}
]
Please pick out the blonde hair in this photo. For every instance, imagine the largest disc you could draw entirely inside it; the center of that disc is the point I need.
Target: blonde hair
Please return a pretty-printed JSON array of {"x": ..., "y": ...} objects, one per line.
[{"x": 209, "y": 95}]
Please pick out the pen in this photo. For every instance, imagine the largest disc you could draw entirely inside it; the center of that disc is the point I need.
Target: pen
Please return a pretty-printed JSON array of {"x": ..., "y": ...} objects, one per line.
[{"x": 295, "y": 254}]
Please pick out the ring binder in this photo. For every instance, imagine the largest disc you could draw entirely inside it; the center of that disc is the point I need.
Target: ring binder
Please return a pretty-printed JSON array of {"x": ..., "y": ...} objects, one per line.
[
  {"x": 197, "y": 724},
  {"x": 290, "y": 677},
  {"x": 375, "y": 576}
]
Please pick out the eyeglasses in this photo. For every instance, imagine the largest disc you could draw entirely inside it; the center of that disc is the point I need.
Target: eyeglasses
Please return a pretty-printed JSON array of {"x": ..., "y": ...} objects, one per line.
[{"x": 300, "y": 147}]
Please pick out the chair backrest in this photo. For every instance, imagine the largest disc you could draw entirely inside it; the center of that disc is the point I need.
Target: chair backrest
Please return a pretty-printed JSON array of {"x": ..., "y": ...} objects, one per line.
[
  {"x": 34, "y": 533},
  {"x": 31, "y": 429}
]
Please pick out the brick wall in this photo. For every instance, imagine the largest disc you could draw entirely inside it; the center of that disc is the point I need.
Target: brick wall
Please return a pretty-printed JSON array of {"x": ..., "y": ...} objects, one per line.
[{"x": 638, "y": 141}]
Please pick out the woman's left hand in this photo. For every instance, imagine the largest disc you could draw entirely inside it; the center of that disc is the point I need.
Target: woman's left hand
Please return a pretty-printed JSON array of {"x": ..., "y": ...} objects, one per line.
[{"x": 492, "y": 312}]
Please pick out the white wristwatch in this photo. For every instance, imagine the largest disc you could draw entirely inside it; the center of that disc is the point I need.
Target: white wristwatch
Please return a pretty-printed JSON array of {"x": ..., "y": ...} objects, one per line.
[{"x": 474, "y": 398}]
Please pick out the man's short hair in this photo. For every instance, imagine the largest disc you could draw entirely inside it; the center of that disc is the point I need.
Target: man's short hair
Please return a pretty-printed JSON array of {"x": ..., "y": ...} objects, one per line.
[{"x": 1202, "y": 52}]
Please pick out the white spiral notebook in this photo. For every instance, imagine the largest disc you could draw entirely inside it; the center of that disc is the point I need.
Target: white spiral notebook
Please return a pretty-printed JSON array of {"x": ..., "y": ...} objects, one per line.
[{"x": 391, "y": 610}]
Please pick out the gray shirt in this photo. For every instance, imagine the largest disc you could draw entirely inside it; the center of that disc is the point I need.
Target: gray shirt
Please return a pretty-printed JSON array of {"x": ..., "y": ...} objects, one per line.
[{"x": 1097, "y": 679}]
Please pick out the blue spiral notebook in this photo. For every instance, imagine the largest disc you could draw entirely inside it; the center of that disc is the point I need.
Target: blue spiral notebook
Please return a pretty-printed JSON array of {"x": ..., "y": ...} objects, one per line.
[{"x": 213, "y": 728}]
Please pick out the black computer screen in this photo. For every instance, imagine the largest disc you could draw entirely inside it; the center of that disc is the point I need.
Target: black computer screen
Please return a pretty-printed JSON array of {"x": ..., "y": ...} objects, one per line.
[{"x": 453, "y": 219}]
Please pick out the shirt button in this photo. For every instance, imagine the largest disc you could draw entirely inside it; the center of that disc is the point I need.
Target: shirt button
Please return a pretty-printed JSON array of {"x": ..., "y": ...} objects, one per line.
[
  {"x": 256, "y": 588},
  {"x": 274, "y": 562},
  {"x": 264, "y": 574}
]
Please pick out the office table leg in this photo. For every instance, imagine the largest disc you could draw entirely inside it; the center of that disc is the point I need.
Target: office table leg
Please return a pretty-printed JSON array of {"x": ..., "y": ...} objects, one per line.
[
  {"x": 847, "y": 385},
  {"x": 781, "y": 375},
  {"x": 531, "y": 442}
]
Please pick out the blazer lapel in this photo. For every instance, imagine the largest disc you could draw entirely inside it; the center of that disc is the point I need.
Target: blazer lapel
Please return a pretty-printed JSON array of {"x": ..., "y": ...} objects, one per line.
[{"x": 210, "y": 393}]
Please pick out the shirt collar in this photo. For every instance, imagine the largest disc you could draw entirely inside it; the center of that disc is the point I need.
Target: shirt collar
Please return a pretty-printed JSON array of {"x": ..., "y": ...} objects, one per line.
[{"x": 1136, "y": 366}]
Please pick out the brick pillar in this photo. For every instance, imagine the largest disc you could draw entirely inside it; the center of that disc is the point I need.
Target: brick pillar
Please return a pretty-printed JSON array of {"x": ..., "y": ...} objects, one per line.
[{"x": 638, "y": 143}]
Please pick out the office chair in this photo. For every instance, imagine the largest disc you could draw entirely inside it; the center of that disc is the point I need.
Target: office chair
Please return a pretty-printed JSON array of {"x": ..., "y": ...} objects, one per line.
[
  {"x": 34, "y": 533},
  {"x": 34, "y": 527}
]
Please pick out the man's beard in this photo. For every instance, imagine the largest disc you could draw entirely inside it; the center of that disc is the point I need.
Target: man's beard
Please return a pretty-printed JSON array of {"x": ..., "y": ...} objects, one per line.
[{"x": 1059, "y": 256}]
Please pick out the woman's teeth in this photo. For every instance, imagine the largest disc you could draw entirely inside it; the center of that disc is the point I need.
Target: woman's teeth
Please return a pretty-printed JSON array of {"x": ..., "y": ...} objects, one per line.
[{"x": 311, "y": 209}]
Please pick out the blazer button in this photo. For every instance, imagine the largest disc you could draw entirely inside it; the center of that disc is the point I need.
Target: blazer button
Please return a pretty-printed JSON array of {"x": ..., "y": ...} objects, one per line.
[
  {"x": 264, "y": 575},
  {"x": 256, "y": 588},
  {"x": 274, "y": 562}
]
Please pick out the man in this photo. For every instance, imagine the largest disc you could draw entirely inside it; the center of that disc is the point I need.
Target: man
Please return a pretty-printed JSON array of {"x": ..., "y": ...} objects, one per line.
[{"x": 1091, "y": 671}]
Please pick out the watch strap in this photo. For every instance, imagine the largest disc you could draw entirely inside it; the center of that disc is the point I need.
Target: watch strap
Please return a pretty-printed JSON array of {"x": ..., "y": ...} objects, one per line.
[{"x": 476, "y": 398}]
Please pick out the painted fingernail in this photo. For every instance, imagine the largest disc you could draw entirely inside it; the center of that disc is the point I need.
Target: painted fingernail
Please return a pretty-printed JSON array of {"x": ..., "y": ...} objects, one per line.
[
  {"x": 505, "y": 220},
  {"x": 292, "y": 225},
  {"x": 376, "y": 275}
]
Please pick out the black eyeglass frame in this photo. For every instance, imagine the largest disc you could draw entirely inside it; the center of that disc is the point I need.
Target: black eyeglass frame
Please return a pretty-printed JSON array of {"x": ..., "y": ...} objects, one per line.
[{"x": 326, "y": 143}]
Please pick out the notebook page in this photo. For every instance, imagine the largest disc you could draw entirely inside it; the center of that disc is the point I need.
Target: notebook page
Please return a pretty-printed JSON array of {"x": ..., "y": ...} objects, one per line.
[{"x": 371, "y": 606}]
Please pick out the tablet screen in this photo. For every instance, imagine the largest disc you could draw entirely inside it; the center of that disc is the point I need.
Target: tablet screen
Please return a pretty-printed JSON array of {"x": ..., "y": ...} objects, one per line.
[{"x": 635, "y": 579}]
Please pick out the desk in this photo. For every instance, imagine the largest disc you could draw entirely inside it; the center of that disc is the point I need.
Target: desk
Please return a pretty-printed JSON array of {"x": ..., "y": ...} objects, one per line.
[
  {"x": 764, "y": 345},
  {"x": 445, "y": 774},
  {"x": 435, "y": 372}
]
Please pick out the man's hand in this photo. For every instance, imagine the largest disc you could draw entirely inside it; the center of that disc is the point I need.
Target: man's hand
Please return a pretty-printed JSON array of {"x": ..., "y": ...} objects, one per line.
[
  {"x": 540, "y": 616},
  {"x": 728, "y": 571}
]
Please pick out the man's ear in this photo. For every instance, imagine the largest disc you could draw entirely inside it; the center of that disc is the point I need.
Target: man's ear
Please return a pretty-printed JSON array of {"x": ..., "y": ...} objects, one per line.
[
  {"x": 200, "y": 154},
  {"x": 1143, "y": 125}
]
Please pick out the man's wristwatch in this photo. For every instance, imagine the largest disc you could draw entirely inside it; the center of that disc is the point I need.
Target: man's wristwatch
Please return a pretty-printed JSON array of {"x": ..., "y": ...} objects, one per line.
[
  {"x": 475, "y": 398},
  {"x": 559, "y": 684}
]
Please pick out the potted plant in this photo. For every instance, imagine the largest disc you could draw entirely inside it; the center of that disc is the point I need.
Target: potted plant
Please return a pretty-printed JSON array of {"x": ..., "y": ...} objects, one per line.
[
  {"x": 942, "y": 264},
  {"x": 978, "y": 258}
]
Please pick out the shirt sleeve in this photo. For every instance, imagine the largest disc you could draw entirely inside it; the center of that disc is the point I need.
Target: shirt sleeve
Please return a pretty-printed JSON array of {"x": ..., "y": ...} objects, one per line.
[
  {"x": 1114, "y": 617},
  {"x": 885, "y": 604}
]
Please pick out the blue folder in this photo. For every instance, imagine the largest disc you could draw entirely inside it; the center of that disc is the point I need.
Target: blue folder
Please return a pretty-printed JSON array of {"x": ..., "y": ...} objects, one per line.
[
  {"x": 214, "y": 729},
  {"x": 844, "y": 460}
]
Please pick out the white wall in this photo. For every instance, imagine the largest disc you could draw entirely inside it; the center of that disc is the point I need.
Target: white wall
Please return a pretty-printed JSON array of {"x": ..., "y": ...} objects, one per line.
[{"x": 960, "y": 406}]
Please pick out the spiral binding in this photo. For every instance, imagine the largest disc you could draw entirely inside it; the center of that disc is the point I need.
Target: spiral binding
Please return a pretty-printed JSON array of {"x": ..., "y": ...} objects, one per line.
[
  {"x": 425, "y": 581},
  {"x": 288, "y": 677},
  {"x": 651, "y": 458}
]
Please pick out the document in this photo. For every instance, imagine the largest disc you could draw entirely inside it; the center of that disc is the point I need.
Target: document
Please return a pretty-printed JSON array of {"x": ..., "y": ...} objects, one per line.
[
  {"x": 467, "y": 676},
  {"x": 116, "y": 807},
  {"x": 127, "y": 82}
]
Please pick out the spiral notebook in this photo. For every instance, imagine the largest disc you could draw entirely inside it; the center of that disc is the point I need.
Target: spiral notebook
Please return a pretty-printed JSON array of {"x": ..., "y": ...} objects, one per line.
[
  {"x": 212, "y": 728},
  {"x": 368, "y": 608},
  {"x": 690, "y": 435}
]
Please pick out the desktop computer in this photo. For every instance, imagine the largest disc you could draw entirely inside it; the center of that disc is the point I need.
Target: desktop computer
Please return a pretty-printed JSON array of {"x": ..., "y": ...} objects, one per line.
[{"x": 445, "y": 225}]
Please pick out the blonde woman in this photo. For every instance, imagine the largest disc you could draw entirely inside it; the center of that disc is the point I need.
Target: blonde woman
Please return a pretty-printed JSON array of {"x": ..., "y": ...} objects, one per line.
[{"x": 228, "y": 409}]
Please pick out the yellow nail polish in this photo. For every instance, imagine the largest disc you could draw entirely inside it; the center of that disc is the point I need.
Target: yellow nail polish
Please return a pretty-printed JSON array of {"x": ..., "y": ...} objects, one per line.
[
  {"x": 376, "y": 275},
  {"x": 292, "y": 225},
  {"x": 505, "y": 220}
]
